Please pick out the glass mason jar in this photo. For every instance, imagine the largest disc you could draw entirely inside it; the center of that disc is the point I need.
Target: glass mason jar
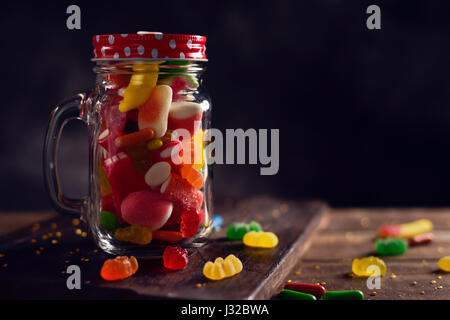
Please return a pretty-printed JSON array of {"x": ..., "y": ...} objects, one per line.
[{"x": 149, "y": 182}]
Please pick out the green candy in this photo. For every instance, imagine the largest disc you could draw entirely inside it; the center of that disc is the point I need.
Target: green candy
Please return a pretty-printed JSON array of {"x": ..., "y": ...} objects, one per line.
[
  {"x": 237, "y": 230},
  {"x": 294, "y": 295},
  {"x": 109, "y": 220},
  {"x": 390, "y": 246},
  {"x": 175, "y": 63},
  {"x": 343, "y": 295}
]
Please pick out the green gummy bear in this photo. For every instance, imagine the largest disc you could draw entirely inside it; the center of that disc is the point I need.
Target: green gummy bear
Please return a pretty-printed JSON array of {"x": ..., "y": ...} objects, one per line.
[
  {"x": 390, "y": 246},
  {"x": 237, "y": 230},
  {"x": 109, "y": 220}
]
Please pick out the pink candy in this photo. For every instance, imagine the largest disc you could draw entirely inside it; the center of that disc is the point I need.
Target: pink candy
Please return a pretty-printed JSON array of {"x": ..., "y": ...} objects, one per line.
[{"x": 185, "y": 115}]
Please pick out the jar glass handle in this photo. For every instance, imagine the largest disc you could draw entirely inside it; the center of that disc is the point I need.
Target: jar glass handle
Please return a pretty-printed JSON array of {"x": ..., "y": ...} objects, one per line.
[{"x": 70, "y": 109}]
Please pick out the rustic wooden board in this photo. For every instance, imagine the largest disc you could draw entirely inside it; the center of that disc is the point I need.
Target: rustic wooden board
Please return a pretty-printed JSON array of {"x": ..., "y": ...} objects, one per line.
[
  {"x": 346, "y": 234},
  {"x": 31, "y": 275}
]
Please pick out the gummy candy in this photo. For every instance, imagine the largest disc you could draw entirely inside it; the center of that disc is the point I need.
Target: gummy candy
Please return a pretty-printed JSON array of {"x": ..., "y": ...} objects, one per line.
[
  {"x": 114, "y": 120},
  {"x": 315, "y": 289},
  {"x": 105, "y": 188},
  {"x": 185, "y": 115},
  {"x": 406, "y": 230},
  {"x": 135, "y": 234},
  {"x": 217, "y": 222},
  {"x": 119, "y": 268},
  {"x": 343, "y": 295},
  {"x": 190, "y": 220},
  {"x": 175, "y": 258},
  {"x": 123, "y": 178},
  {"x": 181, "y": 193},
  {"x": 139, "y": 155},
  {"x": 134, "y": 138},
  {"x": 193, "y": 151},
  {"x": 167, "y": 235},
  {"x": 260, "y": 239},
  {"x": 146, "y": 208},
  {"x": 140, "y": 87},
  {"x": 444, "y": 263},
  {"x": 171, "y": 153},
  {"x": 179, "y": 83},
  {"x": 392, "y": 231},
  {"x": 368, "y": 266},
  {"x": 108, "y": 203},
  {"x": 237, "y": 230},
  {"x": 157, "y": 174},
  {"x": 154, "y": 112},
  {"x": 287, "y": 294},
  {"x": 154, "y": 144},
  {"x": 423, "y": 238},
  {"x": 390, "y": 246},
  {"x": 109, "y": 220},
  {"x": 194, "y": 177},
  {"x": 222, "y": 268}
]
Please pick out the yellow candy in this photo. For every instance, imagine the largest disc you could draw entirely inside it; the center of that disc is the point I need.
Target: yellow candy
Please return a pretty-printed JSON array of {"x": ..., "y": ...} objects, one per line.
[
  {"x": 141, "y": 85},
  {"x": 154, "y": 144},
  {"x": 260, "y": 239},
  {"x": 199, "y": 158},
  {"x": 409, "y": 230},
  {"x": 444, "y": 263},
  {"x": 105, "y": 188},
  {"x": 369, "y": 266},
  {"x": 135, "y": 234},
  {"x": 221, "y": 268}
]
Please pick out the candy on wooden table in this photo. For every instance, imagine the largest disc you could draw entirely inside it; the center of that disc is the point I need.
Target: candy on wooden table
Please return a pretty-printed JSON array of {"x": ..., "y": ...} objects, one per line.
[
  {"x": 146, "y": 208},
  {"x": 315, "y": 289},
  {"x": 185, "y": 115},
  {"x": 392, "y": 231},
  {"x": 420, "y": 239},
  {"x": 123, "y": 178},
  {"x": 167, "y": 235},
  {"x": 142, "y": 84},
  {"x": 390, "y": 246},
  {"x": 444, "y": 263},
  {"x": 154, "y": 144},
  {"x": 287, "y": 294},
  {"x": 237, "y": 230},
  {"x": 343, "y": 295},
  {"x": 109, "y": 220},
  {"x": 155, "y": 111},
  {"x": 369, "y": 266},
  {"x": 181, "y": 193},
  {"x": 175, "y": 258},
  {"x": 158, "y": 173},
  {"x": 217, "y": 222},
  {"x": 135, "y": 234},
  {"x": 260, "y": 239},
  {"x": 222, "y": 268},
  {"x": 134, "y": 138},
  {"x": 194, "y": 177},
  {"x": 190, "y": 221},
  {"x": 119, "y": 268},
  {"x": 406, "y": 230}
]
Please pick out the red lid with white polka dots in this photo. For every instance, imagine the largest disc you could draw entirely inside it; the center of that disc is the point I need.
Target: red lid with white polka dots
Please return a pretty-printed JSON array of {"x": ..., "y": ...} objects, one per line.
[{"x": 149, "y": 46}]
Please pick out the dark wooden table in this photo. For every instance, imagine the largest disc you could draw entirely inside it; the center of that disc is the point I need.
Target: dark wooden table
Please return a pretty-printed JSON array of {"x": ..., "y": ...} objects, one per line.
[{"x": 327, "y": 257}]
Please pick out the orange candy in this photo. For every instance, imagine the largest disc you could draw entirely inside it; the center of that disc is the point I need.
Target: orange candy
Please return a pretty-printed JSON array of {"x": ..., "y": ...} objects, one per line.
[
  {"x": 166, "y": 235},
  {"x": 194, "y": 177},
  {"x": 119, "y": 268},
  {"x": 134, "y": 138}
]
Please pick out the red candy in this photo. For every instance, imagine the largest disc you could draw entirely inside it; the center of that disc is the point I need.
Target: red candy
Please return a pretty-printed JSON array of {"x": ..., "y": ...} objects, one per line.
[
  {"x": 316, "y": 290},
  {"x": 423, "y": 238},
  {"x": 185, "y": 115},
  {"x": 390, "y": 231},
  {"x": 181, "y": 193},
  {"x": 190, "y": 220},
  {"x": 108, "y": 203},
  {"x": 171, "y": 153},
  {"x": 114, "y": 122},
  {"x": 175, "y": 258},
  {"x": 123, "y": 178}
]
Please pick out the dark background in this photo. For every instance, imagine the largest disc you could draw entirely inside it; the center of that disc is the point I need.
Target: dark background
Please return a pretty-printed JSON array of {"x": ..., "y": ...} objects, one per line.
[{"x": 364, "y": 116}]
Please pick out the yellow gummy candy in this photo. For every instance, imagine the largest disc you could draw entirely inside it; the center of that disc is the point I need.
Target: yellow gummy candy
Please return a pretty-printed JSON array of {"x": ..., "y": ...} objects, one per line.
[
  {"x": 369, "y": 266},
  {"x": 409, "y": 230},
  {"x": 135, "y": 234},
  {"x": 222, "y": 268},
  {"x": 141, "y": 85},
  {"x": 199, "y": 158},
  {"x": 260, "y": 239},
  {"x": 444, "y": 263}
]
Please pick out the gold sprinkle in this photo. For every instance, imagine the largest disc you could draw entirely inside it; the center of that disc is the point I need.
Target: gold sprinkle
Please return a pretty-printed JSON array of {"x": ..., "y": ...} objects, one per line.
[
  {"x": 323, "y": 283},
  {"x": 33, "y": 240},
  {"x": 349, "y": 235},
  {"x": 284, "y": 208},
  {"x": 414, "y": 283},
  {"x": 58, "y": 234},
  {"x": 275, "y": 213},
  {"x": 5, "y": 265},
  {"x": 439, "y": 277},
  {"x": 317, "y": 267},
  {"x": 38, "y": 252},
  {"x": 289, "y": 281},
  {"x": 198, "y": 285},
  {"x": 41, "y": 248},
  {"x": 44, "y": 237},
  {"x": 50, "y": 235},
  {"x": 35, "y": 227},
  {"x": 67, "y": 261},
  {"x": 53, "y": 225},
  {"x": 77, "y": 250},
  {"x": 373, "y": 293},
  {"x": 76, "y": 222},
  {"x": 351, "y": 275},
  {"x": 70, "y": 252},
  {"x": 297, "y": 273},
  {"x": 393, "y": 276},
  {"x": 2, "y": 255},
  {"x": 78, "y": 232},
  {"x": 433, "y": 281},
  {"x": 440, "y": 249},
  {"x": 95, "y": 250},
  {"x": 63, "y": 272},
  {"x": 439, "y": 287},
  {"x": 84, "y": 234},
  {"x": 54, "y": 241},
  {"x": 422, "y": 292},
  {"x": 364, "y": 222}
]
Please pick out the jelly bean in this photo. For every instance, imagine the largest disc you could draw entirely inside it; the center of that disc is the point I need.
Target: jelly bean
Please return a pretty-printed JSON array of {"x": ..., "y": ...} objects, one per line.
[
  {"x": 119, "y": 268},
  {"x": 260, "y": 239},
  {"x": 105, "y": 188},
  {"x": 140, "y": 87},
  {"x": 135, "y": 234},
  {"x": 181, "y": 193},
  {"x": 155, "y": 111},
  {"x": 157, "y": 174},
  {"x": 315, "y": 289},
  {"x": 392, "y": 231},
  {"x": 444, "y": 263},
  {"x": 423, "y": 238},
  {"x": 343, "y": 295},
  {"x": 390, "y": 246},
  {"x": 222, "y": 268},
  {"x": 123, "y": 178},
  {"x": 237, "y": 230},
  {"x": 109, "y": 220},
  {"x": 194, "y": 177},
  {"x": 167, "y": 236},
  {"x": 185, "y": 115},
  {"x": 190, "y": 221},
  {"x": 154, "y": 144},
  {"x": 412, "y": 229},
  {"x": 146, "y": 208},
  {"x": 286, "y": 294},
  {"x": 217, "y": 222},
  {"x": 369, "y": 266},
  {"x": 134, "y": 138},
  {"x": 175, "y": 258}
]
